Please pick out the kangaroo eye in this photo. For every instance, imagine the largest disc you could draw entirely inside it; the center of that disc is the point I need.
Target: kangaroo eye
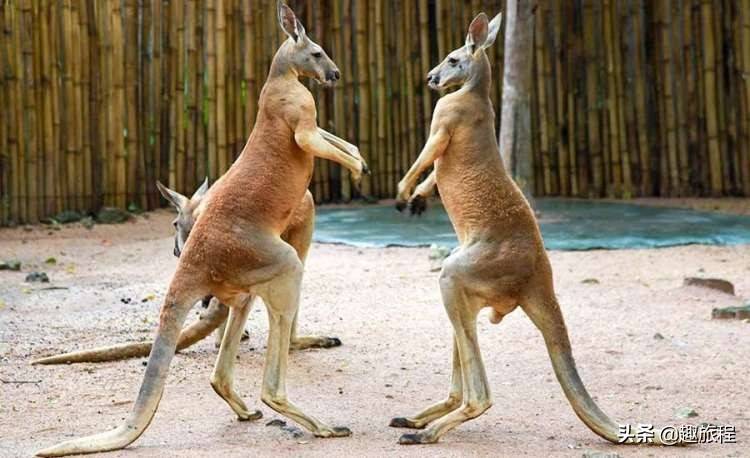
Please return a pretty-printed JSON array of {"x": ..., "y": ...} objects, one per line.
[
  {"x": 452, "y": 61},
  {"x": 317, "y": 55}
]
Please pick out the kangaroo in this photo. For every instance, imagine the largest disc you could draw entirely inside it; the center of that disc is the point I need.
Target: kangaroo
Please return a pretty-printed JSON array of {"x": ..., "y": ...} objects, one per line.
[
  {"x": 500, "y": 261},
  {"x": 235, "y": 251},
  {"x": 298, "y": 234}
]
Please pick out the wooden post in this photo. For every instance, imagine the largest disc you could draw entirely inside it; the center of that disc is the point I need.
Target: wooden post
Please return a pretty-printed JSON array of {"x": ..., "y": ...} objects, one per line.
[{"x": 515, "y": 132}]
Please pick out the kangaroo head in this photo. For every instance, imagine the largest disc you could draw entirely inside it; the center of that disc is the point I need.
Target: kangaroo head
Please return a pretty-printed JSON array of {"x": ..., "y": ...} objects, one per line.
[
  {"x": 463, "y": 63},
  {"x": 186, "y": 212},
  {"x": 301, "y": 54}
]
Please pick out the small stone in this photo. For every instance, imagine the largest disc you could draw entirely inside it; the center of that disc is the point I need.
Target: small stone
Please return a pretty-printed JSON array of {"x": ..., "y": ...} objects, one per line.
[
  {"x": 590, "y": 281},
  {"x": 134, "y": 208},
  {"x": 87, "y": 222},
  {"x": 276, "y": 422},
  {"x": 597, "y": 454},
  {"x": 711, "y": 283},
  {"x": 111, "y": 215},
  {"x": 658, "y": 336},
  {"x": 37, "y": 277},
  {"x": 686, "y": 412},
  {"x": 10, "y": 265},
  {"x": 439, "y": 252},
  {"x": 731, "y": 313}
]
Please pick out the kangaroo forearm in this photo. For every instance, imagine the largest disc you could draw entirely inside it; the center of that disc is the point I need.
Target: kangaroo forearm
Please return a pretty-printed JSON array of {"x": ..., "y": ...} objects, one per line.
[
  {"x": 314, "y": 143},
  {"x": 340, "y": 143}
]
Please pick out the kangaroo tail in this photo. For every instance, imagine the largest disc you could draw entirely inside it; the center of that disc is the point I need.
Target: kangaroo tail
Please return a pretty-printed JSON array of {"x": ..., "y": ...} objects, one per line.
[
  {"x": 172, "y": 317},
  {"x": 546, "y": 315},
  {"x": 212, "y": 319}
]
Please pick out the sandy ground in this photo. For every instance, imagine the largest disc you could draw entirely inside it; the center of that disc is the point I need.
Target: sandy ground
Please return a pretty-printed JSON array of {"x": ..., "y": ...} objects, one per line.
[{"x": 385, "y": 306}]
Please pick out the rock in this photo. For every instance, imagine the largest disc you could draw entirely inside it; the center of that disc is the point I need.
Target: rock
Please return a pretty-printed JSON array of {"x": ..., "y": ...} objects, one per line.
[
  {"x": 37, "y": 277},
  {"x": 711, "y": 283},
  {"x": 437, "y": 254},
  {"x": 590, "y": 281},
  {"x": 10, "y": 265},
  {"x": 68, "y": 216},
  {"x": 293, "y": 431},
  {"x": 658, "y": 336},
  {"x": 597, "y": 454},
  {"x": 134, "y": 208},
  {"x": 87, "y": 222},
  {"x": 731, "y": 313},
  {"x": 111, "y": 215},
  {"x": 686, "y": 412}
]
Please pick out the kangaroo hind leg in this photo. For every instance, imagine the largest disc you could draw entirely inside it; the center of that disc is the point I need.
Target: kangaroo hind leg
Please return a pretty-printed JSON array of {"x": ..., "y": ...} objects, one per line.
[
  {"x": 281, "y": 295},
  {"x": 176, "y": 306},
  {"x": 222, "y": 378}
]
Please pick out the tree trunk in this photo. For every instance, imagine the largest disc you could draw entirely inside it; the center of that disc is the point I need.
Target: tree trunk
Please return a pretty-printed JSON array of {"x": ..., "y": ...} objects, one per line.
[{"x": 515, "y": 126}]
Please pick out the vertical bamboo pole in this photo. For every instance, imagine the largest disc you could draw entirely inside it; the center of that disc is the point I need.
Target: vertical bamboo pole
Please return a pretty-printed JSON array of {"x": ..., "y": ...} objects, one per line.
[
  {"x": 592, "y": 96},
  {"x": 623, "y": 153},
  {"x": 85, "y": 115},
  {"x": 680, "y": 96},
  {"x": 363, "y": 88},
  {"x": 29, "y": 127},
  {"x": 375, "y": 158},
  {"x": 132, "y": 152},
  {"x": 709, "y": 77},
  {"x": 745, "y": 40},
  {"x": 339, "y": 95},
  {"x": 555, "y": 17},
  {"x": 424, "y": 33},
  {"x": 324, "y": 166},
  {"x": 210, "y": 96},
  {"x": 220, "y": 81},
  {"x": 179, "y": 70},
  {"x": 381, "y": 89},
  {"x": 46, "y": 110}
]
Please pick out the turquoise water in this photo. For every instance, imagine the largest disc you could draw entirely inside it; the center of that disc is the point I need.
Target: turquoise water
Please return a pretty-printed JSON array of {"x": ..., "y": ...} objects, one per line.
[{"x": 566, "y": 225}]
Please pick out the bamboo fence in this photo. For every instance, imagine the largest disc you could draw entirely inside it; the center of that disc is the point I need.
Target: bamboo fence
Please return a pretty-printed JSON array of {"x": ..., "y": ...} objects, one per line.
[{"x": 100, "y": 98}]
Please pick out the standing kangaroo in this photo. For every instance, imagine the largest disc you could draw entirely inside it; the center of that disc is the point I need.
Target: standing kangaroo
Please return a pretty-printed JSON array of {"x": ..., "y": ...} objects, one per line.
[
  {"x": 298, "y": 234},
  {"x": 235, "y": 250},
  {"x": 500, "y": 262}
]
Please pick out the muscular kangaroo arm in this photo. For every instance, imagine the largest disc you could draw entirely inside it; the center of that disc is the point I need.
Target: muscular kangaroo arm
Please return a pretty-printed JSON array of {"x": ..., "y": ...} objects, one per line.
[
  {"x": 314, "y": 143},
  {"x": 340, "y": 143},
  {"x": 345, "y": 146},
  {"x": 435, "y": 146}
]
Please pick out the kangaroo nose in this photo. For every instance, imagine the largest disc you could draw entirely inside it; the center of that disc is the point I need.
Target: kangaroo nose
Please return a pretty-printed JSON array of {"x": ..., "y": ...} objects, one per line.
[
  {"x": 333, "y": 75},
  {"x": 433, "y": 79}
]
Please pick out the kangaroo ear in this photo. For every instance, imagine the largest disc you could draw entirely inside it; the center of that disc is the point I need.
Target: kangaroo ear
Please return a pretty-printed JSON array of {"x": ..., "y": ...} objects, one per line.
[
  {"x": 201, "y": 191},
  {"x": 289, "y": 23},
  {"x": 173, "y": 197},
  {"x": 493, "y": 29},
  {"x": 477, "y": 35}
]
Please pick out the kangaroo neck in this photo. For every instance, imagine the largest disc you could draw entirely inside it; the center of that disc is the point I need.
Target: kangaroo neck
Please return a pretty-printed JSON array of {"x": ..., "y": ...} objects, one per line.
[{"x": 480, "y": 81}]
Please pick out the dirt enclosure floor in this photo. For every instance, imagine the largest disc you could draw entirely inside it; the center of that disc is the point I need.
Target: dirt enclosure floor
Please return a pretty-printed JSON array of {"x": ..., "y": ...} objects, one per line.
[{"x": 645, "y": 345}]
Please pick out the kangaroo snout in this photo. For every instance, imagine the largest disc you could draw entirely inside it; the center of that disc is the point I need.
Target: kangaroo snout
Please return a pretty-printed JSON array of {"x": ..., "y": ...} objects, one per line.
[
  {"x": 433, "y": 80},
  {"x": 333, "y": 75}
]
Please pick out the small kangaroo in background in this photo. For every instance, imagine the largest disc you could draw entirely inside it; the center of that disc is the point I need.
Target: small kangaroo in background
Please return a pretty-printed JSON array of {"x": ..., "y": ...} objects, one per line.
[
  {"x": 235, "y": 250},
  {"x": 298, "y": 234},
  {"x": 500, "y": 261}
]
